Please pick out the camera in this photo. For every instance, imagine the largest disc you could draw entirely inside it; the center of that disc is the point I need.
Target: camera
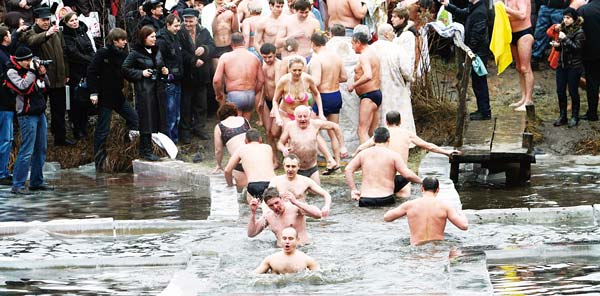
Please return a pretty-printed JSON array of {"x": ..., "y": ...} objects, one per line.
[
  {"x": 40, "y": 62},
  {"x": 154, "y": 74}
]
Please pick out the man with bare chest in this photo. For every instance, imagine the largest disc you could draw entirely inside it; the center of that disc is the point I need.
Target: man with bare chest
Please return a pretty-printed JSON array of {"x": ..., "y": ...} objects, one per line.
[
  {"x": 300, "y": 27},
  {"x": 269, "y": 67},
  {"x": 268, "y": 27},
  {"x": 242, "y": 83},
  {"x": 285, "y": 211},
  {"x": 300, "y": 137},
  {"x": 348, "y": 13},
  {"x": 224, "y": 24},
  {"x": 289, "y": 259},
  {"x": 367, "y": 81},
  {"x": 298, "y": 185}
]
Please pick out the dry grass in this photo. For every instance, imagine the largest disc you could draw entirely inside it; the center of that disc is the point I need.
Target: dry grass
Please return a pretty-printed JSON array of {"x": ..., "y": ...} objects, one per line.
[{"x": 589, "y": 145}]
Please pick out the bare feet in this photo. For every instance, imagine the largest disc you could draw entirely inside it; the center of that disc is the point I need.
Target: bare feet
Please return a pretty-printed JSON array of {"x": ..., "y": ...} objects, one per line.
[
  {"x": 517, "y": 104},
  {"x": 522, "y": 108}
]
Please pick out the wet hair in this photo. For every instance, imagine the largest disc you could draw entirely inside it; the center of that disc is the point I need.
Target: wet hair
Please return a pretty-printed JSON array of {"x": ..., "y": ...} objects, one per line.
[
  {"x": 291, "y": 44},
  {"x": 318, "y": 38},
  {"x": 338, "y": 30},
  {"x": 360, "y": 37},
  {"x": 302, "y": 5},
  {"x": 431, "y": 184},
  {"x": 273, "y": 2},
  {"x": 255, "y": 7},
  {"x": 392, "y": 118},
  {"x": 252, "y": 135},
  {"x": 144, "y": 32},
  {"x": 226, "y": 110},
  {"x": 292, "y": 156},
  {"x": 237, "y": 39},
  {"x": 269, "y": 193},
  {"x": 381, "y": 135},
  {"x": 170, "y": 19},
  {"x": 116, "y": 34},
  {"x": 3, "y": 32},
  {"x": 296, "y": 60},
  {"x": 268, "y": 48}
]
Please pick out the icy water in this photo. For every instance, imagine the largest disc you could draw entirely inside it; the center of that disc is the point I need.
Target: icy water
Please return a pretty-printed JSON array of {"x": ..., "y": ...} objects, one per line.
[{"x": 359, "y": 254}]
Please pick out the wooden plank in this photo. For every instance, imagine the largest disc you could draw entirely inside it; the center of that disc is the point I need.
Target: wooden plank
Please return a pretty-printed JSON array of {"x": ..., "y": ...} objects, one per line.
[
  {"x": 478, "y": 136},
  {"x": 508, "y": 134}
]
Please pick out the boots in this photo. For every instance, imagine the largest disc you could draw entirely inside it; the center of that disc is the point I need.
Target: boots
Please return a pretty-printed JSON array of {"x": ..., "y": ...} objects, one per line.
[
  {"x": 574, "y": 115},
  {"x": 562, "y": 119},
  {"x": 146, "y": 148}
]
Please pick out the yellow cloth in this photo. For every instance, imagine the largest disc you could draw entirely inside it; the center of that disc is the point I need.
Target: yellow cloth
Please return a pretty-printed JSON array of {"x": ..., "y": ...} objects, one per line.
[{"x": 501, "y": 38}]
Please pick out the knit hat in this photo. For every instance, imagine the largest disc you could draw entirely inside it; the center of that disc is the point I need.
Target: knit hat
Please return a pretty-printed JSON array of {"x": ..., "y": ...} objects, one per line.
[
  {"x": 23, "y": 53},
  {"x": 570, "y": 11}
]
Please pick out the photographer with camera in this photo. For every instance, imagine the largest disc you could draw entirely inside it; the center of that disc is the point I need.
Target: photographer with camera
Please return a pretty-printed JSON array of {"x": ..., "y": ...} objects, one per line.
[
  {"x": 27, "y": 79},
  {"x": 47, "y": 42},
  {"x": 143, "y": 66}
]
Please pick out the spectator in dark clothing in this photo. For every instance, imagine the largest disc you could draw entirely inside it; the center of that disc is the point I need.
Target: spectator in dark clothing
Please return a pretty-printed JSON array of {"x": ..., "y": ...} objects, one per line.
[
  {"x": 105, "y": 81},
  {"x": 143, "y": 67},
  {"x": 7, "y": 110},
  {"x": 476, "y": 38},
  {"x": 17, "y": 27},
  {"x": 48, "y": 43},
  {"x": 591, "y": 56},
  {"x": 80, "y": 51},
  {"x": 154, "y": 15},
  {"x": 24, "y": 8},
  {"x": 550, "y": 12},
  {"x": 28, "y": 80},
  {"x": 198, "y": 46},
  {"x": 170, "y": 48},
  {"x": 571, "y": 40}
]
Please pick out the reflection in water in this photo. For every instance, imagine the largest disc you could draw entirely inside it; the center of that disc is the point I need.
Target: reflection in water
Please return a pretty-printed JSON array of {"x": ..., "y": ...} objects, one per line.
[{"x": 78, "y": 195}]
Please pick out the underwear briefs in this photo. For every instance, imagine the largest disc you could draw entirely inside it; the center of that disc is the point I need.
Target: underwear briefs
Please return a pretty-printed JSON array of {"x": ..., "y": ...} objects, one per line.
[
  {"x": 238, "y": 167},
  {"x": 242, "y": 99},
  {"x": 219, "y": 51},
  {"x": 376, "y": 201},
  {"x": 308, "y": 172},
  {"x": 374, "y": 96},
  {"x": 332, "y": 103},
  {"x": 256, "y": 189},
  {"x": 517, "y": 35},
  {"x": 399, "y": 183}
]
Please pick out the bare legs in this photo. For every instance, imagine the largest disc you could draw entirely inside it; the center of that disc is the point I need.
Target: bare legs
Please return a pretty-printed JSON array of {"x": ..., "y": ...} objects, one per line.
[
  {"x": 522, "y": 55},
  {"x": 367, "y": 119}
]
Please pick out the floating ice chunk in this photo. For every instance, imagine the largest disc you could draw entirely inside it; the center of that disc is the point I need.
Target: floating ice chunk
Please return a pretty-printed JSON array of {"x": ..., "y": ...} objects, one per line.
[{"x": 185, "y": 283}]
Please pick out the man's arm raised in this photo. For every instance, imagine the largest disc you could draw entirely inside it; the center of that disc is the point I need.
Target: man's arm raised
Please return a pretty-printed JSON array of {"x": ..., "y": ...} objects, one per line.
[
  {"x": 255, "y": 227},
  {"x": 308, "y": 210}
]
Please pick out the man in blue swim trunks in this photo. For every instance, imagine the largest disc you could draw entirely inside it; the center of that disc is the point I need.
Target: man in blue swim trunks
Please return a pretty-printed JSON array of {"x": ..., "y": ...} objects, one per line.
[
  {"x": 367, "y": 81},
  {"x": 327, "y": 70}
]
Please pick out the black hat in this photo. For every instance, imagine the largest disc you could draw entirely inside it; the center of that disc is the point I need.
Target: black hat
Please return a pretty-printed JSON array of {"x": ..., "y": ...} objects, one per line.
[
  {"x": 42, "y": 12},
  {"x": 570, "y": 11},
  {"x": 187, "y": 12},
  {"x": 23, "y": 53},
  {"x": 151, "y": 4}
]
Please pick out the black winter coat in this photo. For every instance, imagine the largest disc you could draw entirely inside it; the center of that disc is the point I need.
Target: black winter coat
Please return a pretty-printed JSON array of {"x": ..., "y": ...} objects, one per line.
[
  {"x": 203, "y": 39},
  {"x": 7, "y": 99},
  {"x": 476, "y": 30},
  {"x": 591, "y": 28},
  {"x": 150, "y": 21},
  {"x": 149, "y": 91},
  {"x": 79, "y": 52},
  {"x": 105, "y": 76},
  {"x": 571, "y": 48},
  {"x": 170, "y": 49}
]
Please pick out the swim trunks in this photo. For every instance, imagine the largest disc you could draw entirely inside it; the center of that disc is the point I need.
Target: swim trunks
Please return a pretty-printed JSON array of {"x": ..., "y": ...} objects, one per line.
[
  {"x": 242, "y": 99},
  {"x": 219, "y": 51},
  {"x": 349, "y": 32},
  {"x": 374, "y": 96},
  {"x": 308, "y": 172},
  {"x": 308, "y": 59},
  {"x": 256, "y": 189},
  {"x": 377, "y": 201},
  {"x": 255, "y": 52},
  {"x": 332, "y": 103},
  {"x": 238, "y": 167},
  {"x": 517, "y": 35},
  {"x": 399, "y": 183},
  {"x": 269, "y": 103}
]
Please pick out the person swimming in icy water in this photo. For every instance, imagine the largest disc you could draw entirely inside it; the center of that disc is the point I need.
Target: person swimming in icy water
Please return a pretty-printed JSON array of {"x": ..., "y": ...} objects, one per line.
[
  {"x": 289, "y": 259},
  {"x": 426, "y": 215}
]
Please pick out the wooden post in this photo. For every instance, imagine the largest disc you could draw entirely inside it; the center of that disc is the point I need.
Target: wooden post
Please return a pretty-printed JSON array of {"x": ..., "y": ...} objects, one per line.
[
  {"x": 462, "y": 102},
  {"x": 528, "y": 141},
  {"x": 530, "y": 113}
]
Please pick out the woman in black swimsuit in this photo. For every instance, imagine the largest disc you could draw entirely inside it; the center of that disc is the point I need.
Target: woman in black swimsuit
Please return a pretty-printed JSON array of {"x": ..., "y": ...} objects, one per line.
[{"x": 230, "y": 132}]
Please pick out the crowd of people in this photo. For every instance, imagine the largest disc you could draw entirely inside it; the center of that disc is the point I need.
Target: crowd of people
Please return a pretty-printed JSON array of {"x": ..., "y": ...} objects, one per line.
[{"x": 283, "y": 62}]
